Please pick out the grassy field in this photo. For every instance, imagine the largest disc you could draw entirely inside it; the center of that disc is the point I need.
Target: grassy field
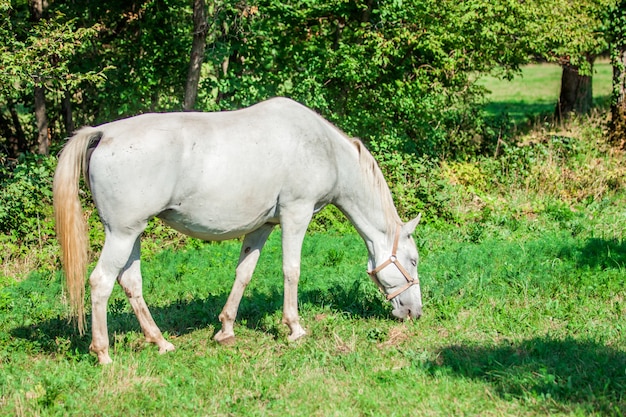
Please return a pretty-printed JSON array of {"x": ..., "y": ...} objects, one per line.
[
  {"x": 525, "y": 319},
  {"x": 524, "y": 294},
  {"x": 536, "y": 90}
]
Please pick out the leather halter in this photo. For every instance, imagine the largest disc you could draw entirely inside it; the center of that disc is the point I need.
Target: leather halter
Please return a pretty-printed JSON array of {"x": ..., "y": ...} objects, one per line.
[{"x": 393, "y": 259}]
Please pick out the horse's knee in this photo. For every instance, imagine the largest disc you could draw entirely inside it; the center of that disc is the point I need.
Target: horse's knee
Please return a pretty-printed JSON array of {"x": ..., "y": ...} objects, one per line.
[{"x": 291, "y": 273}]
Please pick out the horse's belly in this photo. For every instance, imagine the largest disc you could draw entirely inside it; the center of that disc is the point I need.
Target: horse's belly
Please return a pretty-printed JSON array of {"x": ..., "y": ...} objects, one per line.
[{"x": 214, "y": 225}]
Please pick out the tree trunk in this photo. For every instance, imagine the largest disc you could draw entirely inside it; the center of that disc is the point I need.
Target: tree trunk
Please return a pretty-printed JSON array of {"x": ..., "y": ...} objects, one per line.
[
  {"x": 576, "y": 93},
  {"x": 37, "y": 8},
  {"x": 43, "y": 142},
  {"x": 197, "y": 54},
  {"x": 66, "y": 111},
  {"x": 22, "y": 145},
  {"x": 10, "y": 148},
  {"x": 617, "y": 126}
]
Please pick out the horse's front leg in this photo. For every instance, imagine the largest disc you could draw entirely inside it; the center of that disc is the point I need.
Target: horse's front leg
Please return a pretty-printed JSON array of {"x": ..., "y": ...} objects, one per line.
[
  {"x": 250, "y": 251},
  {"x": 290, "y": 307},
  {"x": 294, "y": 229}
]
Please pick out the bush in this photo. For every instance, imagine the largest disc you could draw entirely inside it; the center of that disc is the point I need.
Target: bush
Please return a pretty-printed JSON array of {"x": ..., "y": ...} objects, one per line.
[
  {"x": 26, "y": 199},
  {"x": 417, "y": 186}
]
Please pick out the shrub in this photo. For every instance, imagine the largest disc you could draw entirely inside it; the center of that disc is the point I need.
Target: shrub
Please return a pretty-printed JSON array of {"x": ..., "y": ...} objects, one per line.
[
  {"x": 417, "y": 186},
  {"x": 26, "y": 199}
]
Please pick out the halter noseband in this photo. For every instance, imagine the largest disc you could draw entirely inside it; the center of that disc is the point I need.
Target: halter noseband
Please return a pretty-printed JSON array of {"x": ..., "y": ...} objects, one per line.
[{"x": 393, "y": 259}]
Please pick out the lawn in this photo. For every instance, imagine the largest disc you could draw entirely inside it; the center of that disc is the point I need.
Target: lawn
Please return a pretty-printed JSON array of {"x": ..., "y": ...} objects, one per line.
[
  {"x": 536, "y": 90},
  {"x": 526, "y": 318}
]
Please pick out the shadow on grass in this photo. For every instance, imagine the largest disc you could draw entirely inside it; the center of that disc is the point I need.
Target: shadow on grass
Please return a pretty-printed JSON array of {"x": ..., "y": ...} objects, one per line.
[
  {"x": 566, "y": 372},
  {"x": 520, "y": 111},
  {"x": 603, "y": 253},
  {"x": 181, "y": 317},
  {"x": 529, "y": 112}
]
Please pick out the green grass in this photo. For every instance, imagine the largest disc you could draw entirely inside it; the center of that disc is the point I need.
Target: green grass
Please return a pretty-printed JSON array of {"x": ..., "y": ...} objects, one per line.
[
  {"x": 536, "y": 90},
  {"x": 525, "y": 320}
]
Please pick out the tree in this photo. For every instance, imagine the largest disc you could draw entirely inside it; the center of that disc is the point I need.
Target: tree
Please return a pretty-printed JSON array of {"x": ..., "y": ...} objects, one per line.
[
  {"x": 37, "y": 8},
  {"x": 197, "y": 53},
  {"x": 617, "y": 31},
  {"x": 576, "y": 94},
  {"x": 35, "y": 61},
  {"x": 573, "y": 37},
  {"x": 10, "y": 126},
  {"x": 146, "y": 45},
  {"x": 398, "y": 74}
]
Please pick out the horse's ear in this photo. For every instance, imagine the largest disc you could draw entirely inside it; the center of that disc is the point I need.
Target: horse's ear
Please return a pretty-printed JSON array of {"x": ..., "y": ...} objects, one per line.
[{"x": 409, "y": 227}]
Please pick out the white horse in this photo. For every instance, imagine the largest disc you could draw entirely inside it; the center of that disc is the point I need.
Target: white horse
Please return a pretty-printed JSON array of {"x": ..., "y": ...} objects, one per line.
[{"x": 218, "y": 176}]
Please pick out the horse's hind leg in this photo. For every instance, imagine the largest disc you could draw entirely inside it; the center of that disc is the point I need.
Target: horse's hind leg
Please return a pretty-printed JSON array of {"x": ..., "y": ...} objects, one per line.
[
  {"x": 130, "y": 280},
  {"x": 250, "y": 252},
  {"x": 114, "y": 258}
]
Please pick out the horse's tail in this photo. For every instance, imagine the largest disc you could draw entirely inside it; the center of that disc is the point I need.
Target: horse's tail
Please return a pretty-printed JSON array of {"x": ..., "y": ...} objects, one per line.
[{"x": 71, "y": 225}]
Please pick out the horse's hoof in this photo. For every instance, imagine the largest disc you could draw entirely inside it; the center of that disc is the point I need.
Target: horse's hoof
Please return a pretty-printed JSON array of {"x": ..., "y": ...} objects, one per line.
[
  {"x": 166, "y": 347},
  {"x": 224, "y": 339},
  {"x": 102, "y": 354},
  {"x": 104, "y": 359},
  {"x": 296, "y": 335}
]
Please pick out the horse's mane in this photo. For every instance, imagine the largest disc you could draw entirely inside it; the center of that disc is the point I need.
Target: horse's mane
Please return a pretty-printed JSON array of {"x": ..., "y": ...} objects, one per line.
[{"x": 374, "y": 176}]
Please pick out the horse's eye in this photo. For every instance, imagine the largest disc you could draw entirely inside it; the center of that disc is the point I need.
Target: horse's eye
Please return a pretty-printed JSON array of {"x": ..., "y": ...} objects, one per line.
[{"x": 414, "y": 262}]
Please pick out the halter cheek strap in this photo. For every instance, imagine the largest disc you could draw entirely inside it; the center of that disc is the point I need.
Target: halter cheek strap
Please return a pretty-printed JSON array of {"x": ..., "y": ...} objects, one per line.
[{"x": 393, "y": 259}]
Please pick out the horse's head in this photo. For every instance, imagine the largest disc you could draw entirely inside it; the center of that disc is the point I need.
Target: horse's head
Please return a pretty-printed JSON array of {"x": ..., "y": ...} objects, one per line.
[{"x": 397, "y": 275}]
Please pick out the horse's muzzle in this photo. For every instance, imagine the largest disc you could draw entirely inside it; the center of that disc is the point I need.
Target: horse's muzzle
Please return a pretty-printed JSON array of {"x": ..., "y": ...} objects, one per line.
[
  {"x": 407, "y": 313},
  {"x": 415, "y": 314}
]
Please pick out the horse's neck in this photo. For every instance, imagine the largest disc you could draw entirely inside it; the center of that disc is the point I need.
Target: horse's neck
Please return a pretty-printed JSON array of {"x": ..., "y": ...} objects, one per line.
[{"x": 368, "y": 208}]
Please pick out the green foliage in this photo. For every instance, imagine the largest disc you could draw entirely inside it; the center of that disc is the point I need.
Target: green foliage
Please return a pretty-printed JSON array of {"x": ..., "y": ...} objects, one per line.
[
  {"x": 616, "y": 28},
  {"x": 398, "y": 74},
  {"x": 582, "y": 31},
  {"x": 330, "y": 218},
  {"x": 40, "y": 54},
  {"x": 383, "y": 72},
  {"x": 417, "y": 186},
  {"x": 26, "y": 201},
  {"x": 43, "y": 57},
  {"x": 147, "y": 46}
]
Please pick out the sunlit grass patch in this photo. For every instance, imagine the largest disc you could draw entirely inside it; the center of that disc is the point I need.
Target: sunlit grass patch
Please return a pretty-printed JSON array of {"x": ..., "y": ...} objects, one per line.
[{"x": 536, "y": 90}]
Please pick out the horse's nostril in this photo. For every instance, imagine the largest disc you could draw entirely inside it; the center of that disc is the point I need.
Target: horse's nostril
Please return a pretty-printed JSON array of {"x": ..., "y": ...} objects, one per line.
[{"x": 415, "y": 314}]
